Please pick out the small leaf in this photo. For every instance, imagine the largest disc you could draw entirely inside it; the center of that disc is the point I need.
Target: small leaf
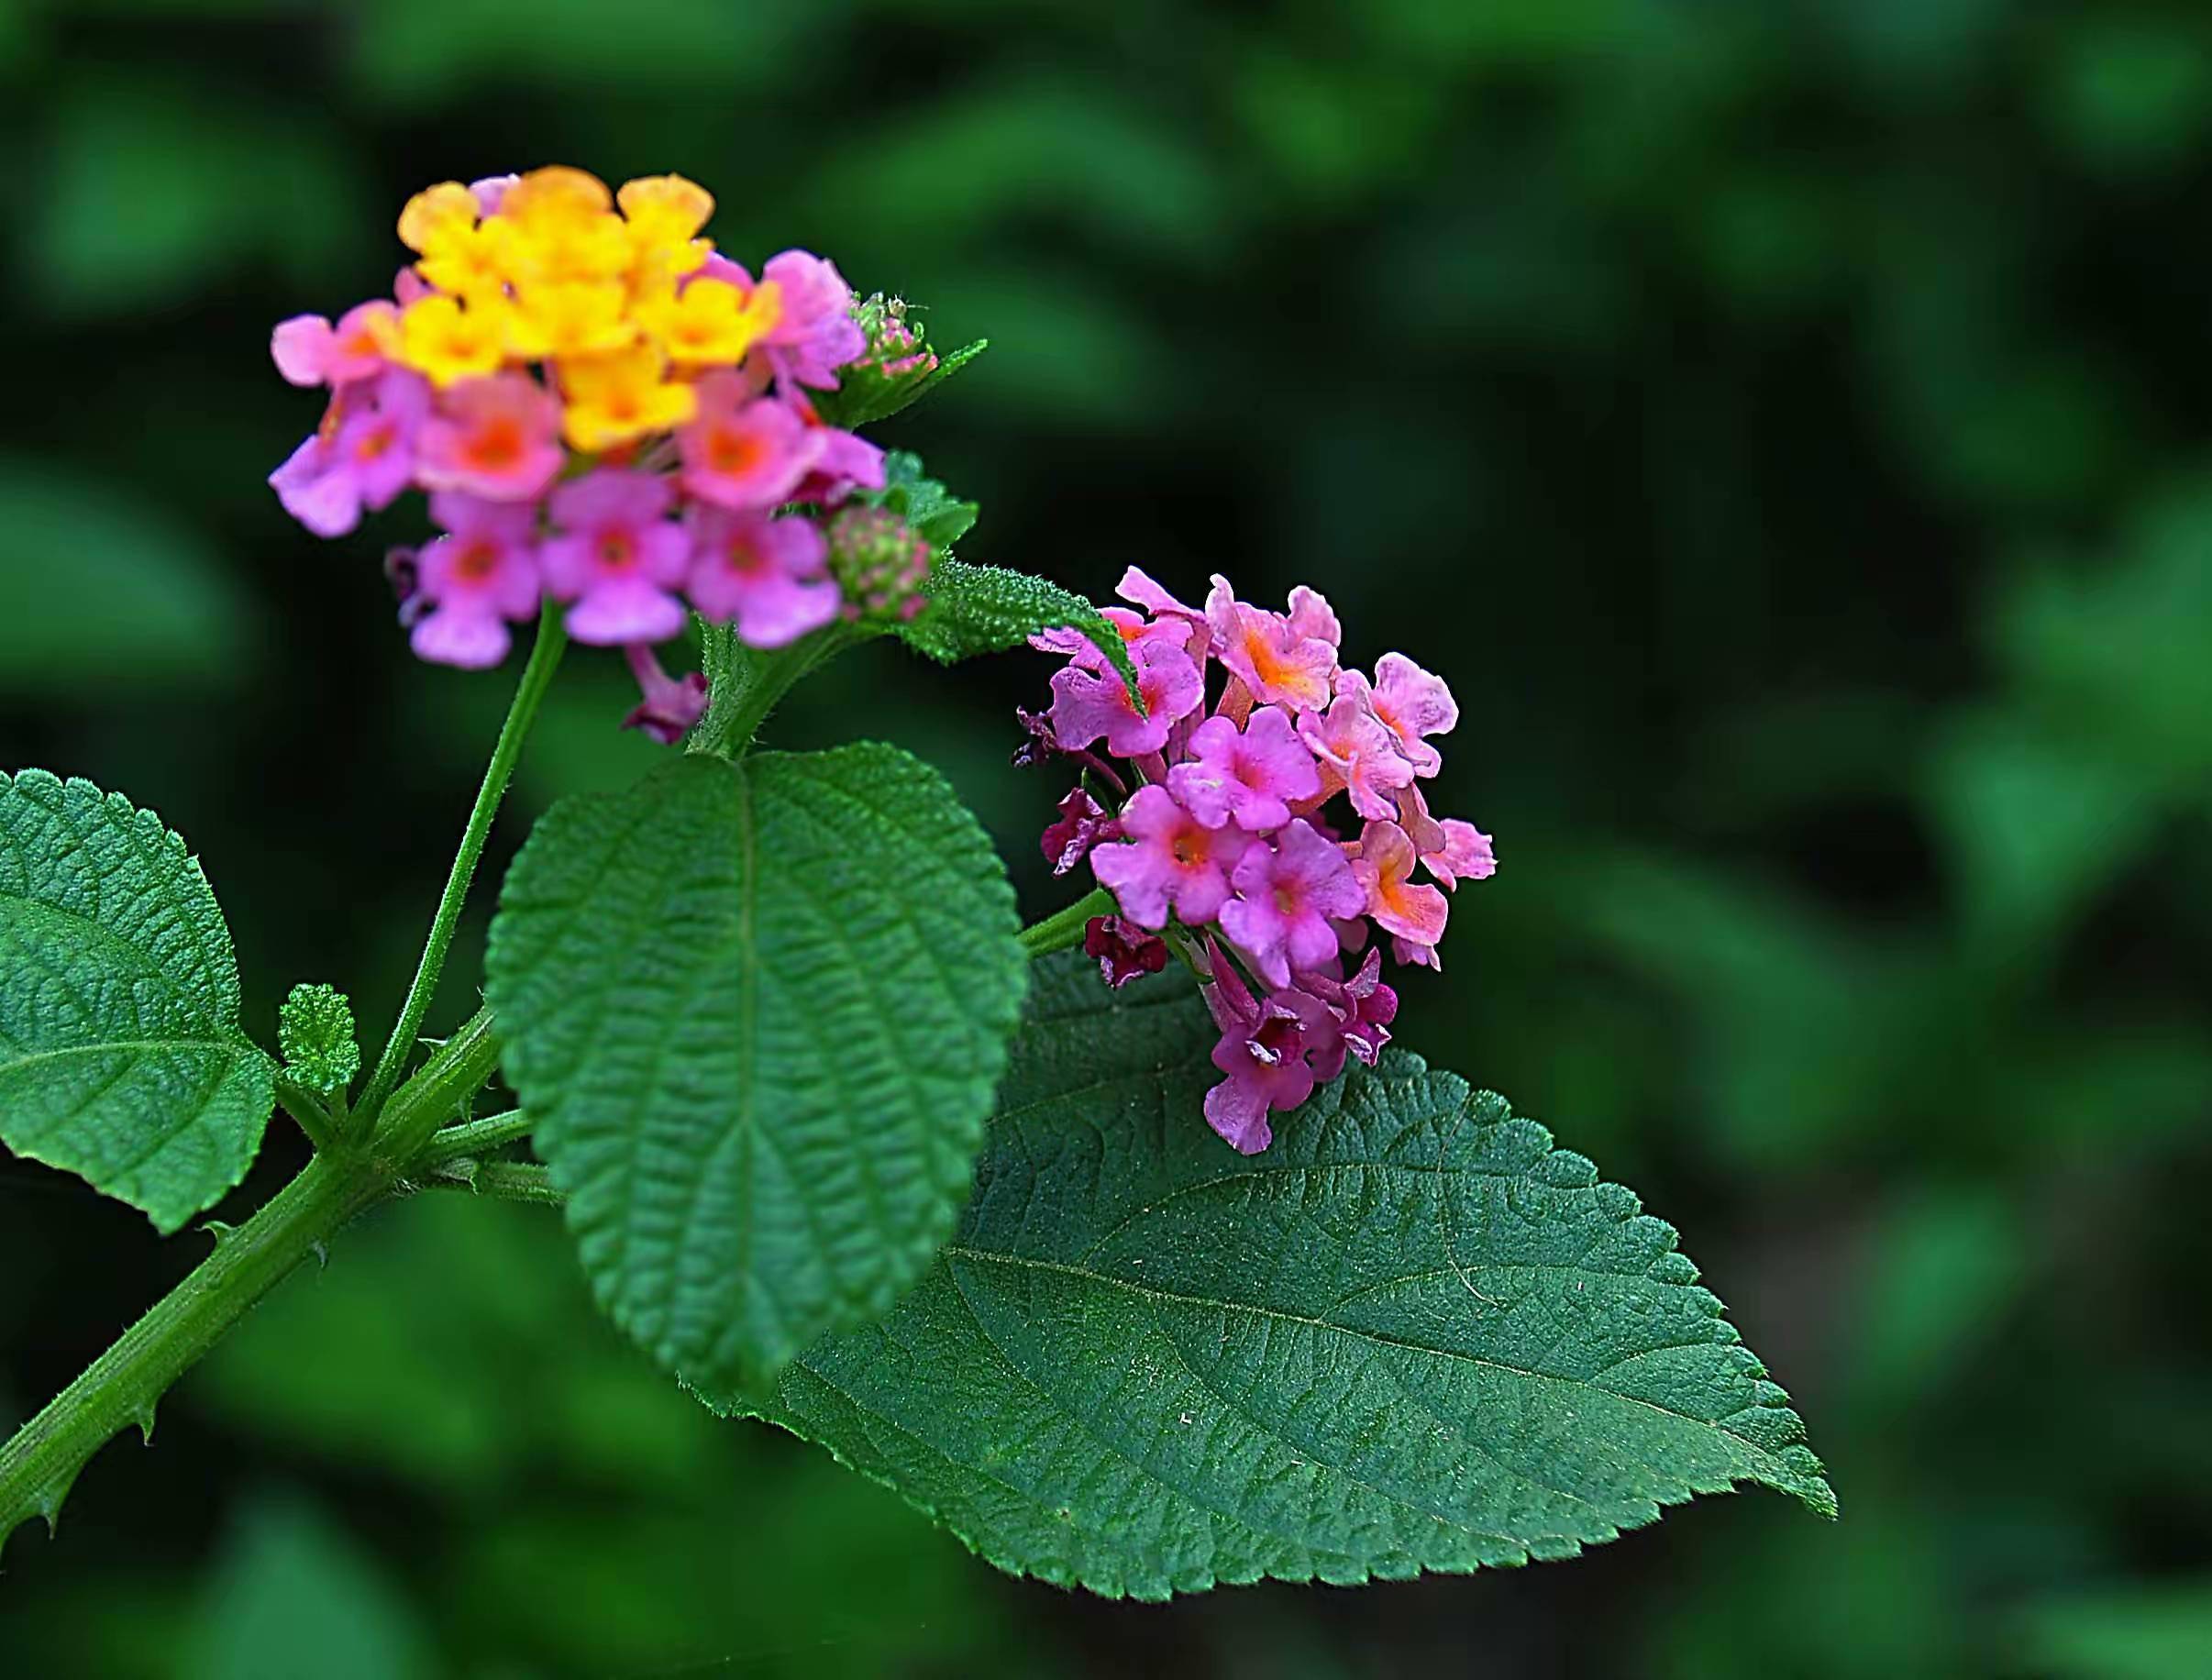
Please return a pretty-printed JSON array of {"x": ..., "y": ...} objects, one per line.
[
  {"x": 986, "y": 609},
  {"x": 315, "y": 1030},
  {"x": 758, "y": 1010},
  {"x": 892, "y": 376},
  {"x": 934, "y": 512},
  {"x": 120, "y": 1055},
  {"x": 1411, "y": 1336}
]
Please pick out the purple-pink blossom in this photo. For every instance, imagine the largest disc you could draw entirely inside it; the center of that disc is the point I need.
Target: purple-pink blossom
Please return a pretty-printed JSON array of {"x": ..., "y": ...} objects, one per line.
[
  {"x": 1167, "y": 860},
  {"x": 1250, "y": 777},
  {"x": 617, "y": 556},
  {"x": 745, "y": 451},
  {"x": 668, "y": 706},
  {"x": 308, "y": 351},
  {"x": 1253, "y": 730},
  {"x": 498, "y": 438},
  {"x": 1288, "y": 661},
  {"x": 477, "y": 578},
  {"x": 1413, "y": 910},
  {"x": 769, "y": 577},
  {"x": 1089, "y": 700},
  {"x": 1288, "y": 891},
  {"x": 1360, "y": 753},
  {"x": 1124, "y": 951},
  {"x": 361, "y": 457},
  {"x": 815, "y": 333},
  {"x": 1410, "y": 704},
  {"x": 1274, "y": 1050},
  {"x": 1082, "y": 823}
]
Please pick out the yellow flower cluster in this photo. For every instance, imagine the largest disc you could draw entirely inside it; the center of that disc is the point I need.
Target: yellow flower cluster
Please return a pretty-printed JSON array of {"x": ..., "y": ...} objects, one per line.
[{"x": 564, "y": 272}]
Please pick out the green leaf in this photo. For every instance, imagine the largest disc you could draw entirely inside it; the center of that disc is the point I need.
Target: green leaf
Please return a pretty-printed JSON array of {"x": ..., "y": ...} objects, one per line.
[
  {"x": 1411, "y": 1336},
  {"x": 315, "y": 1030},
  {"x": 934, "y": 512},
  {"x": 885, "y": 382},
  {"x": 986, "y": 609},
  {"x": 758, "y": 1010},
  {"x": 120, "y": 1055}
]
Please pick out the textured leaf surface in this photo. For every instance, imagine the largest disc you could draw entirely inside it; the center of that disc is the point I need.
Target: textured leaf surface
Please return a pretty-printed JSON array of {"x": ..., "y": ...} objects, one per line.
[
  {"x": 986, "y": 609},
  {"x": 758, "y": 1010},
  {"x": 1411, "y": 1336},
  {"x": 120, "y": 1055},
  {"x": 315, "y": 1031}
]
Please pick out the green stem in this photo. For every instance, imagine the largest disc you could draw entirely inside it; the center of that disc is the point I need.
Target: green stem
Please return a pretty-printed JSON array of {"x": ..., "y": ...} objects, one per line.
[
  {"x": 1063, "y": 929},
  {"x": 476, "y": 1138},
  {"x": 536, "y": 677},
  {"x": 122, "y": 1387},
  {"x": 308, "y": 1111},
  {"x": 747, "y": 684},
  {"x": 502, "y": 1180}
]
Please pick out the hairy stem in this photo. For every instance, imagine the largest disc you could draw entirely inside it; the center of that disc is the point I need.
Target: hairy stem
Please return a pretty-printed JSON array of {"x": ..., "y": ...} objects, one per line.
[
  {"x": 1063, "y": 929},
  {"x": 475, "y": 1138},
  {"x": 536, "y": 677},
  {"x": 501, "y": 1181},
  {"x": 746, "y": 683},
  {"x": 122, "y": 1387}
]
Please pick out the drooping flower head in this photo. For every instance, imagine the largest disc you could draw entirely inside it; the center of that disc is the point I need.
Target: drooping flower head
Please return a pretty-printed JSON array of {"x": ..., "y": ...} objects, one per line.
[
  {"x": 612, "y": 414},
  {"x": 1214, "y": 816}
]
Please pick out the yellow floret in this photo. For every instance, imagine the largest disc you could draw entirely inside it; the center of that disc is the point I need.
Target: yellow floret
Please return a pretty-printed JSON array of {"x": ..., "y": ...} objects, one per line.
[
  {"x": 709, "y": 320},
  {"x": 440, "y": 339},
  {"x": 465, "y": 260},
  {"x": 434, "y": 212},
  {"x": 665, "y": 208},
  {"x": 555, "y": 193},
  {"x": 620, "y": 397},
  {"x": 664, "y": 215},
  {"x": 571, "y": 318},
  {"x": 557, "y": 247},
  {"x": 558, "y": 225}
]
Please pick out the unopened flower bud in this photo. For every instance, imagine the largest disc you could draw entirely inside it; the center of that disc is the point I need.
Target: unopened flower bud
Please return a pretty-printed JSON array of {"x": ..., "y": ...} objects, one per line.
[
  {"x": 879, "y": 564},
  {"x": 890, "y": 374}
]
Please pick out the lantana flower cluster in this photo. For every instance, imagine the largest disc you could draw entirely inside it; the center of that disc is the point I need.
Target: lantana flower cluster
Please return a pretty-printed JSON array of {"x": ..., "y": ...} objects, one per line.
[
  {"x": 1264, "y": 810},
  {"x": 603, "y": 410}
]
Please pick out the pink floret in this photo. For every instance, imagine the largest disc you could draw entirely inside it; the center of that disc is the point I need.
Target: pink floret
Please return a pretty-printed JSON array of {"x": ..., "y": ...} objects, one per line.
[{"x": 617, "y": 558}]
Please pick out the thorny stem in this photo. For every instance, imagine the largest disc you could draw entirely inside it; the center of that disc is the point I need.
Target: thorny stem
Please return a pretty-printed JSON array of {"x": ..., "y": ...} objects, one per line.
[
  {"x": 122, "y": 1387},
  {"x": 536, "y": 677},
  {"x": 475, "y": 1137},
  {"x": 356, "y": 1168},
  {"x": 501, "y": 1181}
]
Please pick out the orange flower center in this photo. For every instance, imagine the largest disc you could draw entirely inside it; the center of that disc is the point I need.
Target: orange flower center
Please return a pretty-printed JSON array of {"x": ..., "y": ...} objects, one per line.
[
  {"x": 497, "y": 443},
  {"x": 734, "y": 452},
  {"x": 477, "y": 560}
]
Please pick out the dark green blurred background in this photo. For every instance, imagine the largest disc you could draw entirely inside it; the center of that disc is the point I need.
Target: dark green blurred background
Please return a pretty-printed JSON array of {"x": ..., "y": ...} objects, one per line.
[{"x": 1790, "y": 427}]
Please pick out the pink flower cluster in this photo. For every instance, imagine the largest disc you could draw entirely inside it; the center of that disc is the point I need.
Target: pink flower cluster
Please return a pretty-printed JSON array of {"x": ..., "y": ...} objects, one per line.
[
  {"x": 626, "y": 483},
  {"x": 1222, "y": 820}
]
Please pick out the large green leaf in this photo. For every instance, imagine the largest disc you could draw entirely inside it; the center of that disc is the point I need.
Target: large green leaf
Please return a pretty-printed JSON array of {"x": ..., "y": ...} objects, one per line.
[
  {"x": 120, "y": 1055},
  {"x": 1410, "y": 1336},
  {"x": 758, "y": 1010}
]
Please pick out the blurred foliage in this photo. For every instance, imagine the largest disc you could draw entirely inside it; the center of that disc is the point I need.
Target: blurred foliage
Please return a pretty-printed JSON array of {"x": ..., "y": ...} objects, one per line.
[{"x": 1788, "y": 426}]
